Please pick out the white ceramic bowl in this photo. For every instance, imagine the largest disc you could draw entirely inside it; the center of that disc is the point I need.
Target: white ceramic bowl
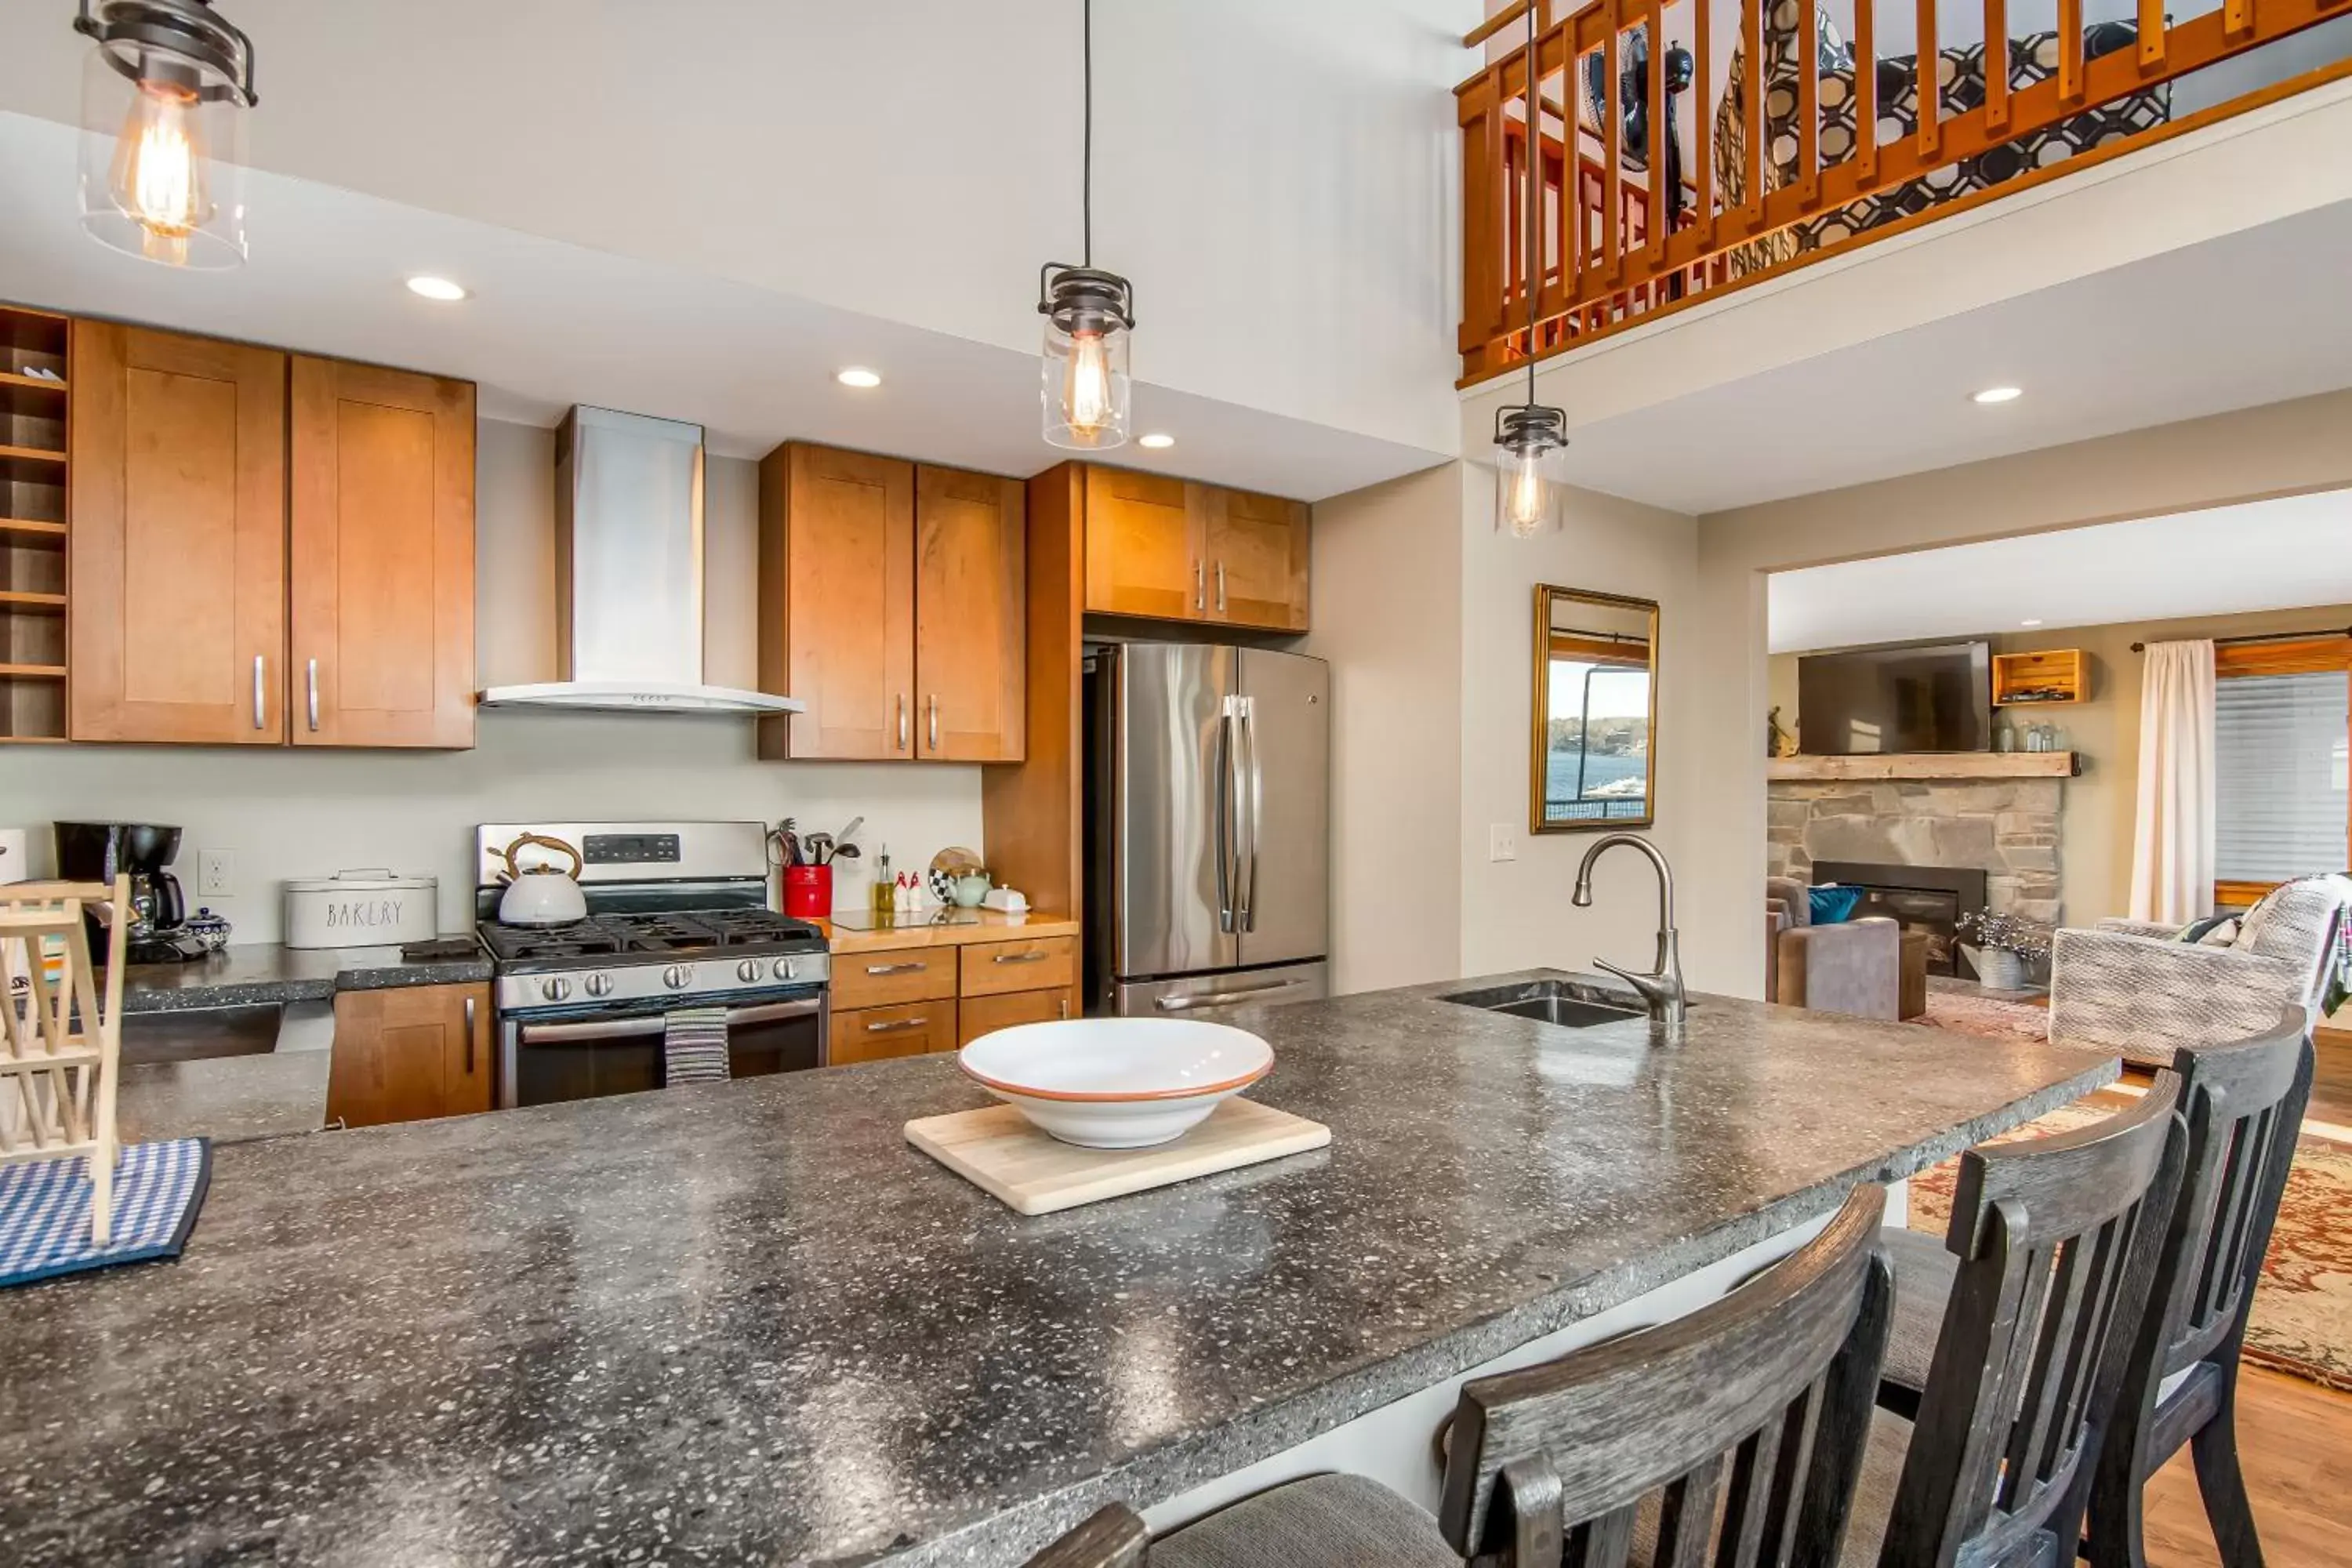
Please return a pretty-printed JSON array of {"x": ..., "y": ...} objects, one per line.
[{"x": 1116, "y": 1083}]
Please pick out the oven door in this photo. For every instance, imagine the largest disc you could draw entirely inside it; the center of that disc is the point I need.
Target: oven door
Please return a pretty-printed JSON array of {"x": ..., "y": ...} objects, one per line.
[{"x": 555, "y": 1053}]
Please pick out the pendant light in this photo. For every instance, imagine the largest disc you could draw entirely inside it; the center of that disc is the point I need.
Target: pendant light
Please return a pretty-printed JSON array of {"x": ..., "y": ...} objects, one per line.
[
  {"x": 1088, "y": 314},
  {"x": 1528, "y": 435},
  {"x": 164, "y": 98}
]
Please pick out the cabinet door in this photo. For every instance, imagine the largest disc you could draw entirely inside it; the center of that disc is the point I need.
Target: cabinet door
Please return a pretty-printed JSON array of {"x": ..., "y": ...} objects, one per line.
[
  {"x": 1038, "y": 965},
  {"x": 1256, "y": 550},
  {"x": 382, "y": 553},
  {"x": 978, "y": 1015},
  {"x": 873, "y": 1034},
  {"x": 899, "y": 974},
  {"x": 410, "y": 1052},
  {"x": 970, "y": 628},
  {"x": 838, "y": 603},
  {"x": 1143, "y": 555},
  {"x": 178, "y": 564}
]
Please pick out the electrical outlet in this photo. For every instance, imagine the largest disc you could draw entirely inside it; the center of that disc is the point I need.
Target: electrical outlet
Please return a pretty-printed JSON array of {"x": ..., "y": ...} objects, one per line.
[
  {"x": 216, "y": 873},
  {"x": 1502, "y": 841}
]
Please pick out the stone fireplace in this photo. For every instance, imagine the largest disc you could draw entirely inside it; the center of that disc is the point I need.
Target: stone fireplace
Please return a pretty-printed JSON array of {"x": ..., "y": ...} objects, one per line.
[{"x": 2005, "y": 828}]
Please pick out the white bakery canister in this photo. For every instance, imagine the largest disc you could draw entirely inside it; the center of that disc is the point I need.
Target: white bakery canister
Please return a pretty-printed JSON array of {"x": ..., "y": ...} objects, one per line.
[{"x": 366, "y": 907}]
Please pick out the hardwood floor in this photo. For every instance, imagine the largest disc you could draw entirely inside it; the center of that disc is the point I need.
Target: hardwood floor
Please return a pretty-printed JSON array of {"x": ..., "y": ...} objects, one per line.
[
  {"x": 2295, "y": 1440},
  {"x": 2331, "y": 1083}
]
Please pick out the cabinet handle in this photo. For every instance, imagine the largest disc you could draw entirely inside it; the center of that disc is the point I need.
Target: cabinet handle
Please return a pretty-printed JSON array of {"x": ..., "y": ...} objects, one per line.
[
  {"x": 1063, "y": 1006},
  {"x": 469, "y": 1036},
  {"x": 897, "y": 1026},
  {"x": 935, "y": 722},
  {"x": 1221, "y": 587},
  {"x": 902, "y": 720},
  {"x": 259, "y": 661},
  {"x": 917, "y": 967},
  {"x": 1021, "y": 958},
  {"x": 1199, "y": 589},
  {"x": 313, "y": 666}
]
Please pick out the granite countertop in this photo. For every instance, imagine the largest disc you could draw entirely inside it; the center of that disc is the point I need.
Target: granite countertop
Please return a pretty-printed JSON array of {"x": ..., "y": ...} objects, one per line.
[
  {"x": 747, "y": 1323},
  {"x": 246, "y": 974}
]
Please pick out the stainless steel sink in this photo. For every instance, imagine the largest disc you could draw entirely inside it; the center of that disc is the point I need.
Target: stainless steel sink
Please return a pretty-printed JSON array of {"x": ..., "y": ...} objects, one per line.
[{"x": 1571, "y": 1004}]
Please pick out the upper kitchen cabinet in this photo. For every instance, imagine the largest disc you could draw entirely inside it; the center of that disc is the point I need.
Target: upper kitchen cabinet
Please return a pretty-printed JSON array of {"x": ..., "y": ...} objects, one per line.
[
  {"x": 1171, "y": 549},
  {"x": 381, "y": 557},
  {"x": 178, "y": 564},
  {"x": 970, "y": 592},
  {"x": 892, "y": 604}
]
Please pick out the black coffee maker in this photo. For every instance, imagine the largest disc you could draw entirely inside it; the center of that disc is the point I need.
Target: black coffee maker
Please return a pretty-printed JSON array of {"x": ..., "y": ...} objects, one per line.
[{"x": 100, "y": 851}]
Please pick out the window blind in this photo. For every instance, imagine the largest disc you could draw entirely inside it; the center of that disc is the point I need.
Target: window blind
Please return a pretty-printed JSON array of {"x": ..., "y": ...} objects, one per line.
[{"x": 2280, "y": 769}]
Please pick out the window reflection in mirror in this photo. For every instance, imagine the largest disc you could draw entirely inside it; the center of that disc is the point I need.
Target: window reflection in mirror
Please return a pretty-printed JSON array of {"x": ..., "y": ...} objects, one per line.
[{"x": 1595, "y": 711}]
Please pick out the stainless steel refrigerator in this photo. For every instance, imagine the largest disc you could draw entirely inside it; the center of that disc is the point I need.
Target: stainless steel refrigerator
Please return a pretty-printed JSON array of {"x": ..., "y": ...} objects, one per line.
[{"x": 1207, "y": 827}]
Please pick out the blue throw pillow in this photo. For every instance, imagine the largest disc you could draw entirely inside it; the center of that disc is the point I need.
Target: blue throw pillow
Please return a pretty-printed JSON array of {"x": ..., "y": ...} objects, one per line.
[{"x": 1832, "y": 904}]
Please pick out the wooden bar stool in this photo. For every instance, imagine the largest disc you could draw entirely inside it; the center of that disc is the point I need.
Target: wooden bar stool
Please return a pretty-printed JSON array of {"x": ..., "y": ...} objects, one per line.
[
  {"x": 1743, "y": 1423},
  {"x": 2053, "y": 1242},
  {"x": 60, "y": 1052}
]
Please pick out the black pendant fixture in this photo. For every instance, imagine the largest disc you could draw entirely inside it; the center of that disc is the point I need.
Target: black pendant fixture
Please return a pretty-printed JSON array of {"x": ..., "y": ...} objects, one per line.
[
  {"x": 163, "y": 99},
  {"x": 1089, "y": 313},
  {"x": 1528, "y": 435}
]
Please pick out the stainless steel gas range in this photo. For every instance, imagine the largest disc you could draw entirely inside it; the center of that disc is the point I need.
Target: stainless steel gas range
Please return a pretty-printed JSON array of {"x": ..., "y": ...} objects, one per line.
[{"x": 678, "y": 918}]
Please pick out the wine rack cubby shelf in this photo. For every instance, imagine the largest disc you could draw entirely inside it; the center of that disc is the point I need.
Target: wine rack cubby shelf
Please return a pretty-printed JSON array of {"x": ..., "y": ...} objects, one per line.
[{"x": 35, "y": 521}]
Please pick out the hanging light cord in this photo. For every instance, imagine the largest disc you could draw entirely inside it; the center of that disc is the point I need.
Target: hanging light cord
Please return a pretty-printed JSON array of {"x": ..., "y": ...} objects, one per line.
[
  {"x": 1087, "y": 138},
  {"x": 1535, "y": 193}
]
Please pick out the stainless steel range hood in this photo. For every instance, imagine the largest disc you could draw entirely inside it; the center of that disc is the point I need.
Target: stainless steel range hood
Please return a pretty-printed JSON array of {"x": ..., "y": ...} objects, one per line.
[{"x": 628, "y": 571}]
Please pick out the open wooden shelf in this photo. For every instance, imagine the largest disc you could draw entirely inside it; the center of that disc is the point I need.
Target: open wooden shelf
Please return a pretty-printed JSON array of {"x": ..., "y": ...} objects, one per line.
[
  {"x": 17, "y": 599},
  {"x": 17, "y": 530},
  {"x": 34, "y": 332},
  {"x": 1928, "y": 765},
  {"x": 33, "y": 463},
  {"x": 2040, "y": 679},
  {"x": 36, "y": 513},
  {"x": 33, "y": 671},
  {"x": 31, "y": 396}
]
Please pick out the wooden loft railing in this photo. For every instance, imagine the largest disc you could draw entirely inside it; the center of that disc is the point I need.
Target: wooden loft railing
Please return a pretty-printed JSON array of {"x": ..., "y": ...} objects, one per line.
[{"x": 1603, "y": 264}]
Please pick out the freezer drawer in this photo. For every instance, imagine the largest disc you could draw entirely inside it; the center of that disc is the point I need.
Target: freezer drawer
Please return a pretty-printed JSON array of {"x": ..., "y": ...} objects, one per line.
[{"x": 1216, "y": 996}]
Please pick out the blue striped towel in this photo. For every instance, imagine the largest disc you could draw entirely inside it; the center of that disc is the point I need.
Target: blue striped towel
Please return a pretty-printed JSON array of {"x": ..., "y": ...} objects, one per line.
[
  {"x": 44, "y": 1209},
  {"x": 694, "y": 1047}
]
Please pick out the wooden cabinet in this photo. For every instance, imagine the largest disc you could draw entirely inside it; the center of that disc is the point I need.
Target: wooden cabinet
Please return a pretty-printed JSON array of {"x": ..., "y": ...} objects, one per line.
[
  {"x": 978, "y": 1015},
  {"x": 178, "y": 564},
  {"x": 898, "y": 1001},
  {"x": 903, "y": 974},
  {"x": 1171, "y": 549},
  {"x": 410, "y": 1052},
  {"x": 893, "y": 604},
  {"x": 874, "y": 1034},
  {"x": 1046, "y": 964},
  {"x": 381, "y": 557}
]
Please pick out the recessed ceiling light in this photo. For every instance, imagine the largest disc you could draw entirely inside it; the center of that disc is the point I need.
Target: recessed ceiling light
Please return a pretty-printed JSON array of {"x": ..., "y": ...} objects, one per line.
[
  {"x": 1998, "y": 395},
  {"x": 435, "y": 289},
  {"x": 1156, "y": 442},
  {"x": 858, "y": 375},
  {"x": 2036, "y": 622}
]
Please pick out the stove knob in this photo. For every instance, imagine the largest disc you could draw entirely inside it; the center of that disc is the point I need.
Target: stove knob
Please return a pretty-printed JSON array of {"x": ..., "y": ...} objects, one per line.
[
  {"x": 676, "y": 975},
  {"x": 555, "y": 989},
  {"x": 598, "y": 985},
  {"x": 787, "y": 969},
  {"x": 748, "y": 971}
]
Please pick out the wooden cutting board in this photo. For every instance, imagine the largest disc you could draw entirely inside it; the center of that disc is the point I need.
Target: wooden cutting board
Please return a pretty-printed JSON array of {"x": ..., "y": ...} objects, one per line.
[{"x": 998, "y": 1150}]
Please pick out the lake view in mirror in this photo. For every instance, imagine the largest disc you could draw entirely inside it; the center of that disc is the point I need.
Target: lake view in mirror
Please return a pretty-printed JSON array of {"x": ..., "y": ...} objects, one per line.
[{"x": 1595, "y": 709}]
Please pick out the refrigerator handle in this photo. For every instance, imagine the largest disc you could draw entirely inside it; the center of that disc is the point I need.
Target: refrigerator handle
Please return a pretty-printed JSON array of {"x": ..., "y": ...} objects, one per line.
[
  {"x": 1247, "y": 919},
  {"x": 1225, "y": 817}
]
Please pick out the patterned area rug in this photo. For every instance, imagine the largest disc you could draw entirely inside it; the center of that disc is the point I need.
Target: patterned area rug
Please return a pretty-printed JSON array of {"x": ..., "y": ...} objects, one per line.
[
  {"x": 1968, "y": 1012},
  {"x": 2302, "y": 1319}
]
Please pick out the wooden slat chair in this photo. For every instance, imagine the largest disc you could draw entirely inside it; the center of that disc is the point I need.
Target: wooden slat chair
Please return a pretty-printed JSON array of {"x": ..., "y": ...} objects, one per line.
[
  {"x": 1734, "y": 1435},
  {"x": 2053, "y": 1244},
  {"x": 59, "y": 1050}
]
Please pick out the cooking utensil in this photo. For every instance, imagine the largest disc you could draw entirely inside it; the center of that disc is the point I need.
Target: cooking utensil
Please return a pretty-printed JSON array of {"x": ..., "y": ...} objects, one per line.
[
  {"x": 846, "y": 852},
  {"x": 540, "y": 895},
  {"x": 850, "y": 832},
  {"x": 819, "y": 846}
]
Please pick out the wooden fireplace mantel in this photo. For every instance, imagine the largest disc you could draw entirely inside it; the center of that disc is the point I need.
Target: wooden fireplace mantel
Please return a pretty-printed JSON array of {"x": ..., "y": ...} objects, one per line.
[{"x": 1928, "y": 765}]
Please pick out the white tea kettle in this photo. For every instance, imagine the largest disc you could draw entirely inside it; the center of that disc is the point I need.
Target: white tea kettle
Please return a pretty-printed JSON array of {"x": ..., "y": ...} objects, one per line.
[{"x": 540, "y": 895}]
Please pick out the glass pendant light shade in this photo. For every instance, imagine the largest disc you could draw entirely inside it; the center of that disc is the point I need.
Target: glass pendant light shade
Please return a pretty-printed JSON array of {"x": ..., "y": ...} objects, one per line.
[
  {"x": 164, "y": 92},
  {"x": 1529, "y": 441},
  {"x": 1083, "y": 386}
]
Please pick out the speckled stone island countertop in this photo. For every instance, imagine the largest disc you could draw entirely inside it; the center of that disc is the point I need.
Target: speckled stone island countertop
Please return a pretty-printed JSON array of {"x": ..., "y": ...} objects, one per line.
[
  {"x": 246, "y": 974},
  {"x": 748, "y": 1323}
]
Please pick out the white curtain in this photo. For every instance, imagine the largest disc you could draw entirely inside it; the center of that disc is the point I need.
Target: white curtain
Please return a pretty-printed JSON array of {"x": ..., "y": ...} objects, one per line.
[{"x": 2172, "y": 837}]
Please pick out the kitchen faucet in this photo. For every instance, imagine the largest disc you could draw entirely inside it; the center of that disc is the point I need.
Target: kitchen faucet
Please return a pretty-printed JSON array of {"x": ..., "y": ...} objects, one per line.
[{"x": 1662, "y": 988}]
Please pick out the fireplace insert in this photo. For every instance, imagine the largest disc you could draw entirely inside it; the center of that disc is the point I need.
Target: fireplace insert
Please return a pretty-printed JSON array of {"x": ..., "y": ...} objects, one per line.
[{"x": 1929, "y": 898}]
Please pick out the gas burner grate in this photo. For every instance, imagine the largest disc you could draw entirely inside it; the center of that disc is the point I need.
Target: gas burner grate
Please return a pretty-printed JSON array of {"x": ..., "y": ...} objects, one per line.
[{"x": 665, "y": 931}]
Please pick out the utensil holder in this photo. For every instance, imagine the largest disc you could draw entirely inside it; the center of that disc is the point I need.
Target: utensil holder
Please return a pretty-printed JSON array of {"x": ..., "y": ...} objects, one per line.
[{"x": 808, "y": 892}]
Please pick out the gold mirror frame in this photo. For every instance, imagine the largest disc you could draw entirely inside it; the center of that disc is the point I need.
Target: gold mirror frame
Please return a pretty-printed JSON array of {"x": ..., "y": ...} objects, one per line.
[{"x": 1547, "y": 596}]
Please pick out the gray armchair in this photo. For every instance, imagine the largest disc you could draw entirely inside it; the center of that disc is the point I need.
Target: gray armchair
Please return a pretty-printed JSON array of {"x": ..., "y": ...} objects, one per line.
[
  {"x": 2134, "y": 987},
  {"x": 1870, "y": 967}
]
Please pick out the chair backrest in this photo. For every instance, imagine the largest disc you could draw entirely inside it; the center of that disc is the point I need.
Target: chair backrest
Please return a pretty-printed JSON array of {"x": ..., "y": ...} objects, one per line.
[
  {"x": 2057, "y": 1239},
  {"x": 1112, "y": 1537},
  {"x": 2243, "y": 1103},
  {"x": 2296, "y": 920},
  {"x": 1750, "y": 1414}
]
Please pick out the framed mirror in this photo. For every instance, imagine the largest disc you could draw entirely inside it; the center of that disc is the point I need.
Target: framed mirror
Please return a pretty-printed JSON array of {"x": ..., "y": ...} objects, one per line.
[{"x": 1596, "y": 711}]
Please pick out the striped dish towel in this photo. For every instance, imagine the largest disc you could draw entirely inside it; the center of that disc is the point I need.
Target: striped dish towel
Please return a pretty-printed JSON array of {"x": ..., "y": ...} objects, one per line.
[
  {"x": 44, "y": 1209},
  {"x": 694, "y": 1047}
]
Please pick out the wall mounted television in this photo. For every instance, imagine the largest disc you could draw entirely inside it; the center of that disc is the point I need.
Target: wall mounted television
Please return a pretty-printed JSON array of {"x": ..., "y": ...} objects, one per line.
[{"x": 1931, "y": 698}]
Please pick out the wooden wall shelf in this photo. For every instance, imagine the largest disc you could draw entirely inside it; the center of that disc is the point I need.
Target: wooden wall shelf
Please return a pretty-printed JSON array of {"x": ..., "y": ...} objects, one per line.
[
  {"x": 2040, "y": 679},
  {"x": 1962, "y": 765},
  {"x": 36, "y": 511}
]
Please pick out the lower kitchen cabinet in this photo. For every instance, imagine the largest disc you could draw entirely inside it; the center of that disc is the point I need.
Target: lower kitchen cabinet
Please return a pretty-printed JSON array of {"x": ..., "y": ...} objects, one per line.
[
  {"x": 1042, "y": 964},
  {"x": 874, "y": 1034},
  {"x": 407, "y": 1053},
  {"x": 978, "y": 1015}
]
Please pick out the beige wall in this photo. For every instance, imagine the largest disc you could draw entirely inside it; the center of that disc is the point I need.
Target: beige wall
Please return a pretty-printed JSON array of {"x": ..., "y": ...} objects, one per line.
[
  {"x": 307, "y": 814},
  {"x": 2280, "y": 449},
  {"x": 2095, "y": 830}
]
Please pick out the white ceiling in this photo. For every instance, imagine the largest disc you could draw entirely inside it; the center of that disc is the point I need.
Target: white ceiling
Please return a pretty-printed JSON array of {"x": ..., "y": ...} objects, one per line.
[
  {"x": 2257, "y": 316},
  {"x": 551, "y": 325},
  {"x": 2263, "y": 555}
]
